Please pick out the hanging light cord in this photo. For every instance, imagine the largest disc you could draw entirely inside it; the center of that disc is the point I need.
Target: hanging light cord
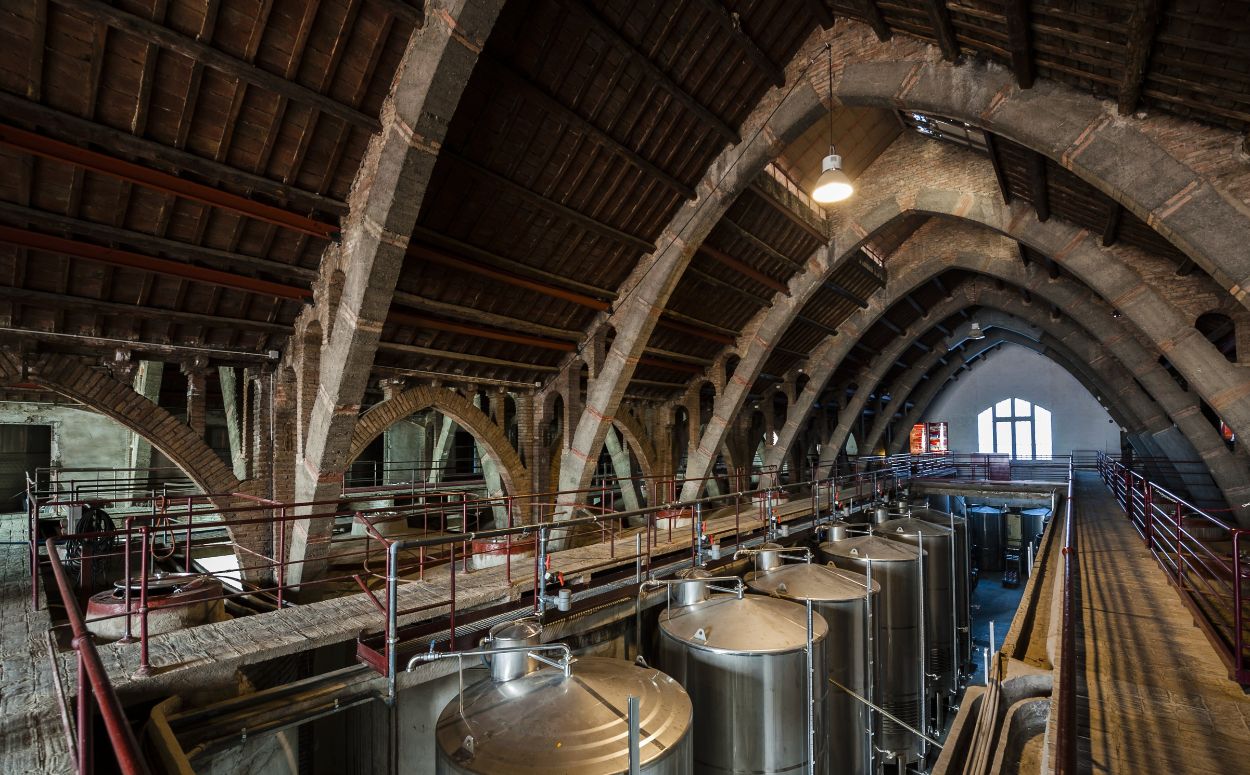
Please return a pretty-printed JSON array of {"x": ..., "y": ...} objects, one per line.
[{"x": 829, "y": 49}]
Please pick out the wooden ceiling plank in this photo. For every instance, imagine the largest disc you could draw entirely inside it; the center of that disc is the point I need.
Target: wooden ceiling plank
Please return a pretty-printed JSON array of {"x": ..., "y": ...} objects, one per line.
[
  {"x": 742, "y": 293},
  {"x": 574, "y": 119},
  {"x": 401, "y": 10},
  {"x": 1019, "y": 37},
  {"x": 675, "y": 321},
  {"x": 731, "y": 24},
  {"x": 744, "y": 269},
  {"x": 425, "y": 322},
  {"x": 1142, "y": 22},
  {"x": 789, "y": 214},
  {"x": 303, "y": 30},
  {"x": 655, "y": 71},
  {"x": 216, "y": 59},
  {"x": 840, "y": 290},
  {"x": 581, "y": 219},
  {"x": 430, "y": 253},
  {"x": 165, "y": 352}
]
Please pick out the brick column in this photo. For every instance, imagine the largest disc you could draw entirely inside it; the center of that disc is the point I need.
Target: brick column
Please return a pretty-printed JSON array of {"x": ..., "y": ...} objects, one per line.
[{"x": 195, "y": 372}]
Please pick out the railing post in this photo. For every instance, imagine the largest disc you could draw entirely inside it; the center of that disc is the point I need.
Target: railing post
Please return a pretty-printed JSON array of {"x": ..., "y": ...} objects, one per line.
[
  {"x": 1180, "y": 559},
  {"x": 128, "y": 636},
  {"x": 144, "y": 666},
  {"x": 1240, "y": 672},
  {"x": 85, "y": 719},
  {"x": 1149, "y": 508}
]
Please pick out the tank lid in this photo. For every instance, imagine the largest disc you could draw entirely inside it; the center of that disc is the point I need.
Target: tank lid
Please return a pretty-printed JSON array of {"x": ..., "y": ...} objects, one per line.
[
  {"x": 693, "y": 574},
  {"x": 985, "y": 509},
  {"x": 751, "y": 625},
  {"x": 910, "y": 527},
  {"x": 938, "y": 518},
  {"x": 544, "y": 722},
  {"x": 521, "y": 629},
  {"x": 873, "y": 548},
  {"x": 806, "y": 581},
  {"x": 1038, "y": 512}
]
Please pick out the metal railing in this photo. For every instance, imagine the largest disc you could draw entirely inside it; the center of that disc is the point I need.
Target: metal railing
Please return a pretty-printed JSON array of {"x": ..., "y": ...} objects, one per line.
[
  {"x": 1203, "y": 555},
  {"x": 95, "y": 691},
  {"x": 1066, "y": 711}
]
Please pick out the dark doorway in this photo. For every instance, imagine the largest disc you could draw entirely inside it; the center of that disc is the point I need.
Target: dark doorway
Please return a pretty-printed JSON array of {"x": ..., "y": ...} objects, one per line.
[{"x": 23, "y": 448}]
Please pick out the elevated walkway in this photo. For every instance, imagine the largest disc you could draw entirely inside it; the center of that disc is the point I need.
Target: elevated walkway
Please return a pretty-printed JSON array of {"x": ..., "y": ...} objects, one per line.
[{"x": 1152, "y": 693}]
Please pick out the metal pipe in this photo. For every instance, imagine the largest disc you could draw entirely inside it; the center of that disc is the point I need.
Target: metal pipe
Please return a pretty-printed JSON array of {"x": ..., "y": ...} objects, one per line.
[
  {"x": 924, "y": 654},
  {"x": 872, "y": 661},
  {"x": 811, "y": 695},
  {"x": 888, "y": 715},
  {"x": 635, "y": 758},
  {"x": 565, "y": 663}
]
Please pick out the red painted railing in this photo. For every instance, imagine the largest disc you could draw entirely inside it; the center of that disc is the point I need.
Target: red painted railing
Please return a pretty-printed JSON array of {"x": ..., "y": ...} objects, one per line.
[
  {"x": 94, "y": 690},
  {"x": 1203, "y": 555}
]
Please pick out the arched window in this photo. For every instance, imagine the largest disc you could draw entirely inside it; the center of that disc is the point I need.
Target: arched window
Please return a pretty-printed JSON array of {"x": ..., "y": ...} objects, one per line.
[{"x": 1015, "y": 427}]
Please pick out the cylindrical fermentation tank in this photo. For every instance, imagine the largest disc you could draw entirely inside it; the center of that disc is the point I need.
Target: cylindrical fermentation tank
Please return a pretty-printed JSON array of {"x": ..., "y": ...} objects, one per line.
[
  {"x": 744, "y": 663},
  {"x": 963, "y": 577},
  {"x": 987, "y": 536},
  {"x": 545, "y": 722},
  {"x": 842, "y": 598},
  {"x": 897, "y": 662},
  {"x": 1033, "y": 522},
  {"x": 940, "y": 597}
]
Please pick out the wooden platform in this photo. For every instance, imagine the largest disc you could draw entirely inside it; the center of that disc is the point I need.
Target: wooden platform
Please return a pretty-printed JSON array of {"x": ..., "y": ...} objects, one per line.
[{"x": 1153, "y": 696}]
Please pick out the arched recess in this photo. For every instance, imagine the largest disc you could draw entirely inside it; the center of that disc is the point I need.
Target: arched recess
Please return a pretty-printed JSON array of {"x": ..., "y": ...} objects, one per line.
[
  {"x": 493, "y": 438},
  {"x": 639, "y": 441}
]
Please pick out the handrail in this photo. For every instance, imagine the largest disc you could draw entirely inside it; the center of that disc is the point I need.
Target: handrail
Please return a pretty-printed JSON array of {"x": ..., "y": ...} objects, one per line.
[
  {"x": 96, "y": 689},
  {"x": 1201, "y": 553},
  {"x": 1065, "y": 745}
]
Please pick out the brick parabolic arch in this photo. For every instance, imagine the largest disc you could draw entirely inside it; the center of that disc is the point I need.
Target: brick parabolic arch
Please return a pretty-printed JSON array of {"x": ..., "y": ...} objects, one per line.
[
  {"x": 639, "y": 441},
  {"x": 105, "y": 395},
  {"x": 494, "y": 441},
  {"x": 101, "y": 393}
]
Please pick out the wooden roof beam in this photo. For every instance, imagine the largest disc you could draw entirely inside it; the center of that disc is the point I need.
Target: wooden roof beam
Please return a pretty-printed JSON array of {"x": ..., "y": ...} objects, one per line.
[
  {"x": 428, "y": 323},
  {"x": 943, "y": 30},
  {"x": 146, "y": 30},
  {"x": 821, "y": 13},
  {"x": 443, "y": 258},
  {"x": 743, "y": 269},
  {"x": 39, "y": 145},
  {"x": 742, "y": 293},
  {"x": 429, "y": 352},
  {"x": 732, "y": 24},
  {"x": 1143, "y": 20},
  {"x": 577, "y": 121},
  {"x": 687, "y": 325},
  {"x": 22, "y": 217},
  {"x": 843, "y": 292},
  {"x": 1038, "y": 188},
  {"x": 469, "y": 314},
  {"x": 821, "y": 327},
  {"x": 917, "y": 306},
  {"x": 790, "y": 214},
  {"x": 42, "y": 299},
  {"x": 72, "y": 128},
  {"x": 872, "y": 14},
  {"x": 991, "y": 145},
  {"x": 114, "y": 257},
  {"x": 585, "y": 221},
  {"x": 661, "y": 363},
  {"x": 1111, "y": 231},
  {"x": 167, "y": 352},
  {"x": 1019, "y": 38},
  {"x": 758, "y": 243},
  {"x": 657, "y": 74}
]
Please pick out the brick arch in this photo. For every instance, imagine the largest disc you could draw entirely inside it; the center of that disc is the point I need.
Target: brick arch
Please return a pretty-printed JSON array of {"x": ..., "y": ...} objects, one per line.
[
  {"x": 118, "y": 401},
  {"x": 639, "y": 441},
  {"x": 492, "y": 437}
]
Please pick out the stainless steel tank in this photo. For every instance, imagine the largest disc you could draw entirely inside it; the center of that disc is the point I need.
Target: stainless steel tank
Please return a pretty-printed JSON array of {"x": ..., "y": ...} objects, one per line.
[
  {"x": 897, "y": 661},
  {"x": 744, "y": 663},
  {"x": 987, "y": 536},
  {"x": 940, "y": 599},
  {"x": 522, "y": 632},
  {"x": 963, "y": 577},
  {"x": 1033, "y": 522},
  {"x": 842, "y": 598},
  {"x": 544, "y": 722}
]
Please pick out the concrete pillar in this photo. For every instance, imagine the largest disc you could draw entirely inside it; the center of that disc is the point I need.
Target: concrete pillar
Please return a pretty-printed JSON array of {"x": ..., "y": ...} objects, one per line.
[
  {"x": 490, "y": 472},
  {"x": 402, "y": 446},
  {"x": 619, "y": 453},
  {"x": 147, "y": 384},
  {"x": 230, "y": 395},
  {"x": 442, "y": 449}
]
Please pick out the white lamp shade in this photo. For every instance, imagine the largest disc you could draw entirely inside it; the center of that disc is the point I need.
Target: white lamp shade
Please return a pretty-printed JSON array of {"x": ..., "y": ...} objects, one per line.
[
  {"x": 975, "y": 332},
  {"x": 833, "y": 185}
]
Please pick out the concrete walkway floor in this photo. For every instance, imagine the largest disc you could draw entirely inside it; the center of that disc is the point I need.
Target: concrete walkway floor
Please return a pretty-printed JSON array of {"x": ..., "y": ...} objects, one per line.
[{"x": 1153, "y": 695}]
